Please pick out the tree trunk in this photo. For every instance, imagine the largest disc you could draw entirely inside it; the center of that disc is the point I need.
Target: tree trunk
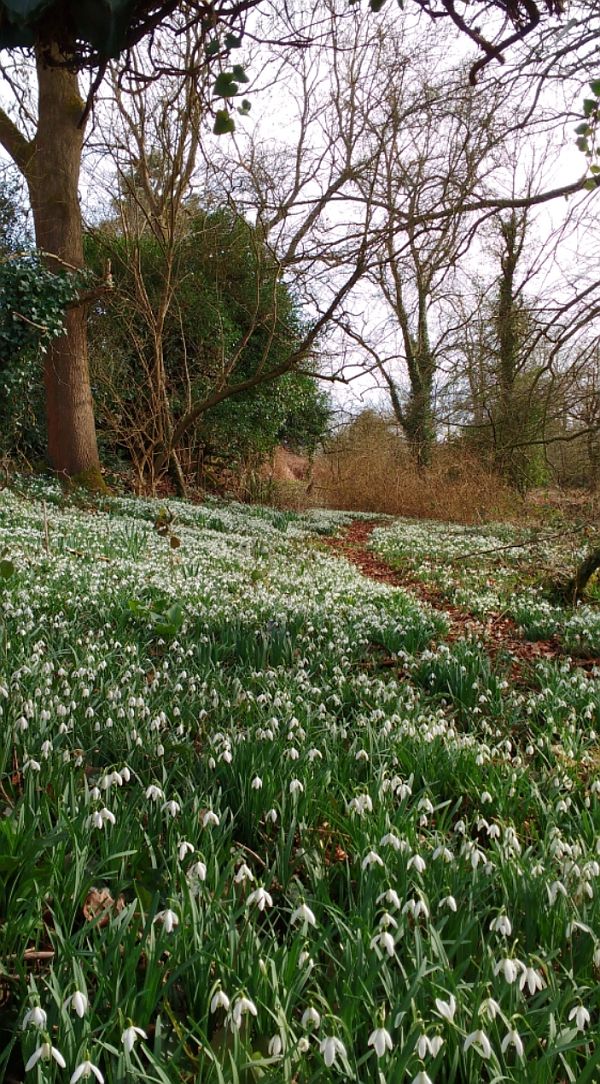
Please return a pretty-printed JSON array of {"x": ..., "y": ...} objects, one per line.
[{"x": 53, "y": 177}]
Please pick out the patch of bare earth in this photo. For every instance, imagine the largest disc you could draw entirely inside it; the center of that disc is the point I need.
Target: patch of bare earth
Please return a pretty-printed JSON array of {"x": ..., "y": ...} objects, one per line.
[{"x": 498, "y": 633}]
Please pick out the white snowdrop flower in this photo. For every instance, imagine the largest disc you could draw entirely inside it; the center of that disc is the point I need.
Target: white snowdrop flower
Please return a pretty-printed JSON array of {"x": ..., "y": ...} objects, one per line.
[
  {"x": 303, "y": 1045},
  {"x": 402, "y": 790},
  {"x": 531, "y": 979},
  {"x": 256, "y": 783},
  {"x": 101, "y": 817},
  {"x": 242, "y": 1006},
  {"x": 371, "y": 859},
  {"x": 416, "y": 908},
  {"x": 130, "y": 1037},
  {"x": 36, "y": 1016},
  {"x": 501, "y": 924},
  {"x": 296, "y": 787},
  {"x": 417, "y": 863},
  {"x": 94, "y": 794},
  {"x": 226, "y": 756},
  {"x": 212, "y": 763},
  {"x": 435, "y": 1045},
  {"x": 449, "y": 902},
  {"x": 85, "y": 1069},
  {"x": 303, "y": 914},
  {"x": 314, "y": 754},
  {"x": 32, "y": 766},
  {"x": 154, "y": 793},
  {"x": 45, "y": 1051},
  {"x": 490, "y": 1008},
  {"x": 261, "y": 898},
  {"x": 275, "y": 1046},
  {"x": 22, "y": 725},
  {"x": 425, "y": 806},
  {"x": 446, "y": 1009},
  {"x": 305, "y": 960},
  {"x": 386, "y": 921},
  {"x": 46, "y": 749},
  {"x": 581, "y": 1017},
  {"x": 197, "y": 871},
  {"x": 168, "y": 918},
  {"x": 361, "y": 804},
  {"x": 390, "y": 897},
  {"x": 480, "y": 1042},
  {"x": 444, "y": 853},
  {"x": 485, "y": 797},
  {"x": 361, "y": 755},
  {"x": 554, "y": 890},
  {"x": 390, "y": 839},
  {"x": 381, "y": 1040},
  {"x": 422, "y": 1078},
  {"x": 493, "y": 831},
  {"x": 210, "y": 820},
  {"x": 422, "y": 1046},
  {"x": 184, "y": 849},
  {"x": 331, "y": 1047},
  {"x": 384, "y": 940},
  {"x": 219, "y": 1000},
  {"x": 311, "y": 1018},
  {"x": 512, "y": 1038},
  {"x": 125, "y": 774},
  {"x": 271, "y": 816},
  {"x": 509, "y": 968},
  {"x": 243, "y": 873},
  {"x": 77, "y": 1001}
]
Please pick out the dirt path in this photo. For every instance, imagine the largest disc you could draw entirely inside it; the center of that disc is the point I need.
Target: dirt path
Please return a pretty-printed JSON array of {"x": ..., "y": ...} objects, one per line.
[{"x": 497, "y": 632}]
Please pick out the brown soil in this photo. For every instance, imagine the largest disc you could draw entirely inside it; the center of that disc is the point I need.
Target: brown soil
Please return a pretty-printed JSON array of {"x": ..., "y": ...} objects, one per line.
[{"x": 498, "y": 633}]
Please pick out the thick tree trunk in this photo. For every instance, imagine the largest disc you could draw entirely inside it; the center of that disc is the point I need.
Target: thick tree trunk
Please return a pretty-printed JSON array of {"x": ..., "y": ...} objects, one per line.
[{"x": 53, "y": 178}]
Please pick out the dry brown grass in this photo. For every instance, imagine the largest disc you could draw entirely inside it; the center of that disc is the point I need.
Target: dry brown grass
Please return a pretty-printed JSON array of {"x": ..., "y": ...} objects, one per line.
[{"x": 368, "y": 468}]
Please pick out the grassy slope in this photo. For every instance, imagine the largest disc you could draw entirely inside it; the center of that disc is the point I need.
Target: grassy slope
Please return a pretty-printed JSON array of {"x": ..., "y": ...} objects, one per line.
[{"x": 145, "y": 688}]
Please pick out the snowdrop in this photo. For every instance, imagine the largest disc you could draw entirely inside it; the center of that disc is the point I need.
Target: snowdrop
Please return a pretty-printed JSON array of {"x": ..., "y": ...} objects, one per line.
[
  {"x": 381, "y": 1041},
  {"x": 331, "y": 1048},
  {"x": 36, "y": 1016},
  {"x": 45, "y": 1052},
  {"x": 168, "y": 918},
  {"x": 371, "y": 859},
  {"x": 219, "y": 1000},
  {"x": 311, "y": 1018},
  {"x": 261, "y": 898},
  {"x": 447, "y": 1009},
  {"x": 130, "y": 1037},
  {"x": 512, "y": 1038},
  {"x": 480, "y": 1042},
  {"x": 85, "y": 1069},
  {"x": 581, "y": 1017},
  {"x": 77, "y": 1001},
  {"x": 242, "y": 1006},
  {"x": 303, "y": 914}
]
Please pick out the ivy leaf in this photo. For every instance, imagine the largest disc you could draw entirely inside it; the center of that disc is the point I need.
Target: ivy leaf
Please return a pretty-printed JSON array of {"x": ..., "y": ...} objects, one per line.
[
  {"x": 595, "y": 87},
  {"x": 239, "y": 74},
  {"x": 212, "y": 48},
  {"x": 224, "y": 123},
  {"x": 7, "y": 569},
  {"x": 225, "y": 85},
  {"x": 233, "y": 41}
]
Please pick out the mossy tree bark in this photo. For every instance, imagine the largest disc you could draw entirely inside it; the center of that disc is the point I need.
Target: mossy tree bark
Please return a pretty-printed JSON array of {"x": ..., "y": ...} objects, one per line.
[{"x": 50, "y": 164}]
